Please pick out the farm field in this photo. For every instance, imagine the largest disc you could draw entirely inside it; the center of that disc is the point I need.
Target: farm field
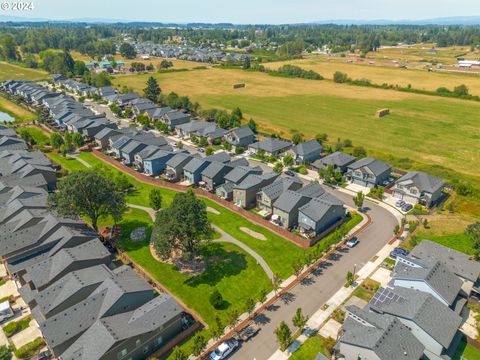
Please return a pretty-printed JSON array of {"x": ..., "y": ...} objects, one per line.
[
  {"x": 427, "y": 129},
  {"x": 378, "y": 73},
  {"x": 15, "y": 72}
]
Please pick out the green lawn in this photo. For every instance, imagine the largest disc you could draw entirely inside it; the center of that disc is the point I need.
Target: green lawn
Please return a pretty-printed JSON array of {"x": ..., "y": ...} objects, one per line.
[
  {"x": 459, "y": 242},
  {"x": 277, "y": 252},
  {"x": 67, "y": 163},
  {"x": 310, "y": 349},
  {"x": 18, "y": 112},
  {"x": 466, "y": 352},
  {"x": 37, "y": 134}
]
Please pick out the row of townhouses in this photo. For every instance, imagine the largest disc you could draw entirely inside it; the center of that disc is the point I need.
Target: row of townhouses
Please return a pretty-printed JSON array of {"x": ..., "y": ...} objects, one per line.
[
  {"x": 86, "y": 307},
  {"x": 418, "y": 314}
]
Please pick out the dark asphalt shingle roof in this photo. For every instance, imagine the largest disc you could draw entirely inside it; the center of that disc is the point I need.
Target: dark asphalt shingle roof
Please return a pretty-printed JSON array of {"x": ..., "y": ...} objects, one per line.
[
  {"x": 271, "y": 145},
  {"x": 423, "y": 181},
  {"x": 317, "y": 208},
  {"x": 307, "y": 147},
  {"x": 377, "y": 167},
  {"x": 337, "y": 158}
]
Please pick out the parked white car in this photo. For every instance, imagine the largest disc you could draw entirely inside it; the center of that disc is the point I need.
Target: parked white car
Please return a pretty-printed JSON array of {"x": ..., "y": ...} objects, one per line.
[{"x": 224, "y": 350}]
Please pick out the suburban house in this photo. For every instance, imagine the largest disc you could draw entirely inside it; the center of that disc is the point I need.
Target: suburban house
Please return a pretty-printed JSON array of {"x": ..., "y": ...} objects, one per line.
[
  {"x": 12, "y": 143},
  {"x": 156, "y": 163},
  {"x": 338, "y": 160},
  {"x": 320, "y": 214},
  {"x": 175, "y": 166},
  {"x": 285, "y": 208},
  {"x": 126, "y": 99},
  {"x": 144, "y": 154},
  {"x": 175, "y": 118},
  {"x": 270, "y": 146},
  {"x": 467, "y": 269},
  {"x": 156, "y": 113},
  {"x": 245, "y": 192},
  {"x": 7, "y": 131},
  {"x": 198, "y": 128},
  {"x": 270, "y": 193},
  {"x": 366, "y": 335},
  {"x": 434, "y": 278},
  {"x": 140, "y": 105},
  {"x": 105, "y": 91},
  {"x": 368, "y": 172},
  {"x": 214, "y": 175},
  {"x": 429, "y": 320},
  {"x": 306, "y": 152},
  {"x": 193, "y": 170},
  {"x": 240, "y": 137},
  {"x": 417, "y": 187}
]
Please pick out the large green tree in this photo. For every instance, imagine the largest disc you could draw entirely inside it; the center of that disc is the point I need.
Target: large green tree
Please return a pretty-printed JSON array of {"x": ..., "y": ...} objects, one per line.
[
  {"x": 182, "y": 226},
  {"x": 152, "y": 91},
  {"x": 88, "y": 193},
  {"x": 128, "y": 51}
]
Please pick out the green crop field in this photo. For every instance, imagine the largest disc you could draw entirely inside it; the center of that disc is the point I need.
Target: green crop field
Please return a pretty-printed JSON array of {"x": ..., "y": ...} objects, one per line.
[
  {"x": 15, "y": 72},
  {"x": 427, "y": 129}
]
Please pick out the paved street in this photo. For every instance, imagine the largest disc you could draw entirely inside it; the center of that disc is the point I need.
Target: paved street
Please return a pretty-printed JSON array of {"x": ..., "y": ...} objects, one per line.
[{"x": 322, "y": 284}]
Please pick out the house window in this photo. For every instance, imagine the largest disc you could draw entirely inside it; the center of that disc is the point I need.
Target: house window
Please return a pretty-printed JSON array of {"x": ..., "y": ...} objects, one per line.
[
  {"x": 121, "y": 354},
  {"x": 158, "y": 341},
  {"x": 137, "y": 343}
]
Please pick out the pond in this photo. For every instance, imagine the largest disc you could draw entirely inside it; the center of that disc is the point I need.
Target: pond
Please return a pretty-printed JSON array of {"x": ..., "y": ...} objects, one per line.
[{"x": 4, "y": 117}]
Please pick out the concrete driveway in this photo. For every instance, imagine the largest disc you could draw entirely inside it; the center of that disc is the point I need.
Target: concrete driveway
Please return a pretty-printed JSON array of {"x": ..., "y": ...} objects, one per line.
[{"x": 317, "y": 288}]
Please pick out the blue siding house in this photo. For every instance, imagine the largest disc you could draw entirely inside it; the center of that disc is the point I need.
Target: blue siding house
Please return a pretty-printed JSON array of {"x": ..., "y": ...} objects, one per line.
[
  {"x": 155, "y": 165},
  {"x": 193, "y": 170}
]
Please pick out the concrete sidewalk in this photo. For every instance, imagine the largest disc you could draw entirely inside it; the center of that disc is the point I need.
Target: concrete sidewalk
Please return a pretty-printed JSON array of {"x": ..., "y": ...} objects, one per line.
[{"x": 321, "y": 316}]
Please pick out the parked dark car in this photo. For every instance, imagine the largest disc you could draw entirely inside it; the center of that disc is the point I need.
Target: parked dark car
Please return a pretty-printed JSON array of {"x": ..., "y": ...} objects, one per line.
[
  {"x": 407, "y": 207},
  {"x": 289, "y": 173},
  {"x": 46, "y": 355},
  {"x": 248, "y": 332},
  {"x": 399, "y": 251}
]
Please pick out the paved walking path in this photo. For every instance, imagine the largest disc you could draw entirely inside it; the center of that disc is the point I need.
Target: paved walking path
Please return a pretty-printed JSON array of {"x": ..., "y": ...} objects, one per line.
[
  {"x": 80, "y": 160},
  {"x": 229, "y": 239},
  {"x": 224, "y": 238}
]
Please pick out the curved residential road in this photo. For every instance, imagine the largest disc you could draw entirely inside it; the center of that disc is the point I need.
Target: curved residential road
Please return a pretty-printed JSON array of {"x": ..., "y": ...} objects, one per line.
[
  {"x": 224, "y": 238},
  {"x": 229, "y": 239},
  {"x": 322, "y": 284}
]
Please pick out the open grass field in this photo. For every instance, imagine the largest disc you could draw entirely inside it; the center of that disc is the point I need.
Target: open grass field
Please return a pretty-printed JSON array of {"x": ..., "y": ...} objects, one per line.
[
  {"x": 41, "y": 137},
  {"x": 177, "y": 64},
  {"x": 379, "y": 73},
  {"x": 15, "y": 72},
  {"x": 428, "y": 129},
  {"x": 19, "y": 113}
]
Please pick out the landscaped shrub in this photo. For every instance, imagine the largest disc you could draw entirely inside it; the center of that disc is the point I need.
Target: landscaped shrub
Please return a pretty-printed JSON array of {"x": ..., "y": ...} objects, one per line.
[
  {"x": 16, "y": 326},
  {"x": 28, "y": 350},
  {"x": 216, "y": 299}
]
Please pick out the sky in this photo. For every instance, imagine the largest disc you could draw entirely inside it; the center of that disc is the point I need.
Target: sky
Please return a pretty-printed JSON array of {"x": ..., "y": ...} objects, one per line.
[{"x": 246, "y": 11}]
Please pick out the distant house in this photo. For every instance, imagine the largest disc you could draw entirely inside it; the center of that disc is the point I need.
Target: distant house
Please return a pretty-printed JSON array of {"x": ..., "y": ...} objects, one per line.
[
  {"x": 306, "y": 152},
  {"x": 144, "y": 154},
  {"x": 175, "y": 118},
  {"x": 140, "y": 105},
  {"x": 156, "y": 113},
  {"x": 368, "y": 172},
  {"x": 245, "y": 192},
  {"x": 338, "y": 160},
  {"x": 175, "y": 166},
  {"x": 156, "y": 163},
  {"x": 12, "y": 143},
  {"x": 271, "y": 146},
  {"x": 198, "y": 128},
  {"x": 270, "y": 193},
  {"x": 419, "y": 187},
  {"x": 240, "y": 137},
  {"x": 366, "y": 335},
  {"x": 126, "y": 99},
  {"x": 320, "y": 214}
]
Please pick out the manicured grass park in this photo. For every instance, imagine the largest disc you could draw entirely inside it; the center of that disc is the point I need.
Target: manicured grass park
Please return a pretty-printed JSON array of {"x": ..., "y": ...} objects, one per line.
[
  {"x": 67, "y": 163},
  {"x": 466, "y": 351}
]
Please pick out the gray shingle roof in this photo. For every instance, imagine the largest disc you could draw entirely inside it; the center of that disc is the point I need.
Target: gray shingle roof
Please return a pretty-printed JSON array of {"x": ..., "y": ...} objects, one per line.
[
  {"x": 312, "y": 190},
  {"x": 275, "y": 189},
  {"x": 239, "y": 173},
  {"x": 436, "y": 319},
  {"x": 222, "y": 156},
  {"x": 423, "y": 181},
  {"x": 178, "y": 159},
  {"x": 242, "y": 132},
  {"x": 317, "y": 208},
  {"x": 458, "y": 263},
  {"x": 436, "y": 275},
  {"x": 337, "y": 158},
  {"x": 214, "y": 168},
  {"x": 383, "y": 334},
  {"x": 307, "y": 147},
  {"x": 271, "y": 145},
  {"x": 377, "y": 167},
  {"x": 289, "y": 200},
  {"x": 194, "y": 164}
]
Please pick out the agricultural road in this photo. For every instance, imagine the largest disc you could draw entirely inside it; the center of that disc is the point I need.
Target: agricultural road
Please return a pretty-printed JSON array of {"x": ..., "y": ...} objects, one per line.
[{"x": 318, "y": 287}]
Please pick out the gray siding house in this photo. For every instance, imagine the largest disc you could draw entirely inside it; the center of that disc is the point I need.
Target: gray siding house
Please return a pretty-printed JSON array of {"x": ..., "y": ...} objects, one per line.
[
  {"x": 419, "y": 188},
  {"x": 245, "y": 193},
  {"x": 270, "y": 193},
  {"x": 306, "y": 152},
  {"x": 320, "y": 214},
  {"x": 271, "y": 146},
  {"x": 368, "y": 172},
  {"x": 175, "y": 166},
  {"x": 338, "y": 160},
  {"x": 240, "y": 137},
  {"x": 214, "y": 175}
]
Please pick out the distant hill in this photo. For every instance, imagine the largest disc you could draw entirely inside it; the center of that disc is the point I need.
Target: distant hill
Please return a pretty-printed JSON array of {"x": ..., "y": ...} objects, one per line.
[{"x": 454, "y": 20}]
